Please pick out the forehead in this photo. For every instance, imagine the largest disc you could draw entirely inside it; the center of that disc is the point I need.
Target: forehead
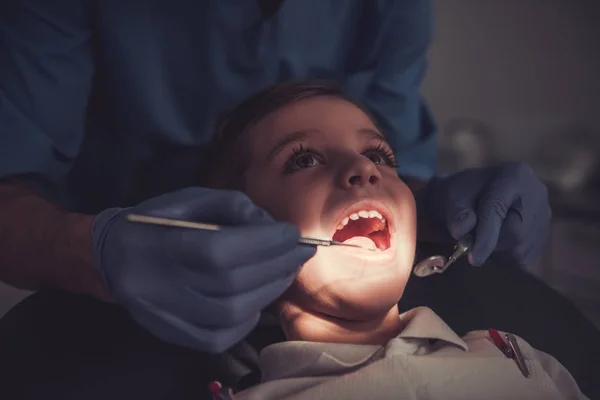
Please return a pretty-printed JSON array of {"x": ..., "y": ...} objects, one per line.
[{"x": 330, "y": 115}]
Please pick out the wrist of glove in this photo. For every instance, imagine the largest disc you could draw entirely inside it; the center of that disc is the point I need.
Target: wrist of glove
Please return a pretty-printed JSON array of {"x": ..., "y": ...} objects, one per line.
[
  {"x": 102, "y": 223},
  {"x": 506, "y": 208}
]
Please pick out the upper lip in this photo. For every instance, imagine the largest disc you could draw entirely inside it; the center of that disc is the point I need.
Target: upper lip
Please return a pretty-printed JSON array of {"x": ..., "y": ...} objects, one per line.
[{"x": 365, "y": 204}]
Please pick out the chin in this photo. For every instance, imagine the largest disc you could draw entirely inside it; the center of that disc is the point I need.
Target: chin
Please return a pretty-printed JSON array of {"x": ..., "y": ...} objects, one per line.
[
  {"x": 367, "y": 298},
  {"x": 352, "y": 290}
]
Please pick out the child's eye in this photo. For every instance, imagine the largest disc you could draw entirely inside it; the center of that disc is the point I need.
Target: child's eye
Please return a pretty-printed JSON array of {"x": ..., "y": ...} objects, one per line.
[
  {"x": 377, "y": 158},
  {"x": 305, "y": 161},
  {"x": 301, "y": 159},
  {"x": 381, "y": 155}
]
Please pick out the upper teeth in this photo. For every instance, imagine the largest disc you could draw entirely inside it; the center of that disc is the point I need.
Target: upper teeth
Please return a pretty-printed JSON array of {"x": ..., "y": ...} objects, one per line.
[{"x": 360, "y": 214}]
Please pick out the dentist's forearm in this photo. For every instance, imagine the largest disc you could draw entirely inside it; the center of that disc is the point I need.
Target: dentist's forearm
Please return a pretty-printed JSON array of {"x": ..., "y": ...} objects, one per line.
[{"x": 42, "y": 245}]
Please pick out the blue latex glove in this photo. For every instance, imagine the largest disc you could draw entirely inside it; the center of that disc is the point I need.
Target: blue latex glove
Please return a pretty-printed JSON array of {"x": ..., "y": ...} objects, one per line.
[
  {"x": 506, "y": 207},
  {"x": 200, "y": 289}
]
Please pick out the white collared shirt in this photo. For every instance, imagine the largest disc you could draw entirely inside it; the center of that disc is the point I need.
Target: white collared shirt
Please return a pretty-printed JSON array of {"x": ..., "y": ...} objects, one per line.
[{"x": 426, "y": 361}]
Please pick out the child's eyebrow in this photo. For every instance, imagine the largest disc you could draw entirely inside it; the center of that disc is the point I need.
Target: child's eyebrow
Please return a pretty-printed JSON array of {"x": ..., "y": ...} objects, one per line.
[
  {"x": 372, "y": 134},
  {"x": 302, "y": 135}
]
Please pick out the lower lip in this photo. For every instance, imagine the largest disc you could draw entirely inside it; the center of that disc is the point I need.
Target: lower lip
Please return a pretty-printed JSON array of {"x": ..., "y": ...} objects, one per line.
[{"x": 370, "y": 256}]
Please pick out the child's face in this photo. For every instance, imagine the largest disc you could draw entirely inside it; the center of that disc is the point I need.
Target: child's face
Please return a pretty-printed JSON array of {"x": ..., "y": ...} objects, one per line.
[{"x": 318, "y": 163}]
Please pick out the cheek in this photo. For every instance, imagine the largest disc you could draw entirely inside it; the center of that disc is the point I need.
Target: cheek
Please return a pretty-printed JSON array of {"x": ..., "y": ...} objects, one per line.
[
  {"x": 404, "y": 201},
  {"x": 408, "y": 212},
  {"x": 407, "y": 228},
  {"x": 306, "y": 203},
  {"x": 292, "y": 199}
]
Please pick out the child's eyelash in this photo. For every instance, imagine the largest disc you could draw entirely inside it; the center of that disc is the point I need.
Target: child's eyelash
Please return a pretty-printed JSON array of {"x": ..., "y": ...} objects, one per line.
[
  {"x": 297, "y": 153},
  {"x": 300, "y": 150},
  {"x": 386, "y": 153}
]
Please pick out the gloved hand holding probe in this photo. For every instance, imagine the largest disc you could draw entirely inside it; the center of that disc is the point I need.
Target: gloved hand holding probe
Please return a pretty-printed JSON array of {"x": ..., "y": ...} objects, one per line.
[{"x": 196, "y": 288}]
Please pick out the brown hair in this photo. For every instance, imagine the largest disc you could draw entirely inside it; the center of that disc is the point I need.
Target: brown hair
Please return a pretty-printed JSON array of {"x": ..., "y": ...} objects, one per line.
[{"x": 227, "y": 162}]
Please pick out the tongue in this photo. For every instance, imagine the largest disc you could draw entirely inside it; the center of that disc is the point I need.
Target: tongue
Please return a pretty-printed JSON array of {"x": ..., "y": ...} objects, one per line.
[{"x": 361, "y": 241}]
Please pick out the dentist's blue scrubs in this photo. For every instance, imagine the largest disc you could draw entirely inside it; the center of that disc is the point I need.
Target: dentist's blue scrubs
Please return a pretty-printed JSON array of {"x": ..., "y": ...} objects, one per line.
[{"x": 99, "y": 98}]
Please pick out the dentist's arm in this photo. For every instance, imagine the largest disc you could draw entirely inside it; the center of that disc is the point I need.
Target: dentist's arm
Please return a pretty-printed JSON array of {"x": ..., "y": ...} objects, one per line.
[{"x": 43, "y": 245}]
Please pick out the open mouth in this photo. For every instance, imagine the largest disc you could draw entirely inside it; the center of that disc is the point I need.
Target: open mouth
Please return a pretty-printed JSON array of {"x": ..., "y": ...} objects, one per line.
[{"x": 365, "y": 228}]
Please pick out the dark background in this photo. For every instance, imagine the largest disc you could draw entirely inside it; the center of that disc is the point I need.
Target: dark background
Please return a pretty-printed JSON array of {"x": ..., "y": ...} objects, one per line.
[{"x": 520, "y": 80}]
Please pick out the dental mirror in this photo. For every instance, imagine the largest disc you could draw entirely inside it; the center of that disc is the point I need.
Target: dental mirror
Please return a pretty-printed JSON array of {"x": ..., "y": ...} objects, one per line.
[
  {"x": 430, "y": 266},
  {"x": 438, "y": 264}
]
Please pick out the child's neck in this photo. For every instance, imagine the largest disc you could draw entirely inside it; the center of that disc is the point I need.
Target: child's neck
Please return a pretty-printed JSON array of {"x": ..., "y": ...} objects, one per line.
[{"x": 300, "y": 324}]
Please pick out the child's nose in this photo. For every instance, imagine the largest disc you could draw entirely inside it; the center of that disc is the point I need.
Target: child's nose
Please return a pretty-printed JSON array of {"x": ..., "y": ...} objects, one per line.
[{"x": 362, "y": 172}]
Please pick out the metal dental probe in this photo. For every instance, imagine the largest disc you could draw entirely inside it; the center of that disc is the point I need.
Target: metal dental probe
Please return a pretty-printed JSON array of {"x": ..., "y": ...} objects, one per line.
[{"x": 146, "y": 219}]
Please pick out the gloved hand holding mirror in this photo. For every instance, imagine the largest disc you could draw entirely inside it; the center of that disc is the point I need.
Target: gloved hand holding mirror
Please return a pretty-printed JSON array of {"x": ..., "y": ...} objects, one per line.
[{"x": 505, "y": 208}]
